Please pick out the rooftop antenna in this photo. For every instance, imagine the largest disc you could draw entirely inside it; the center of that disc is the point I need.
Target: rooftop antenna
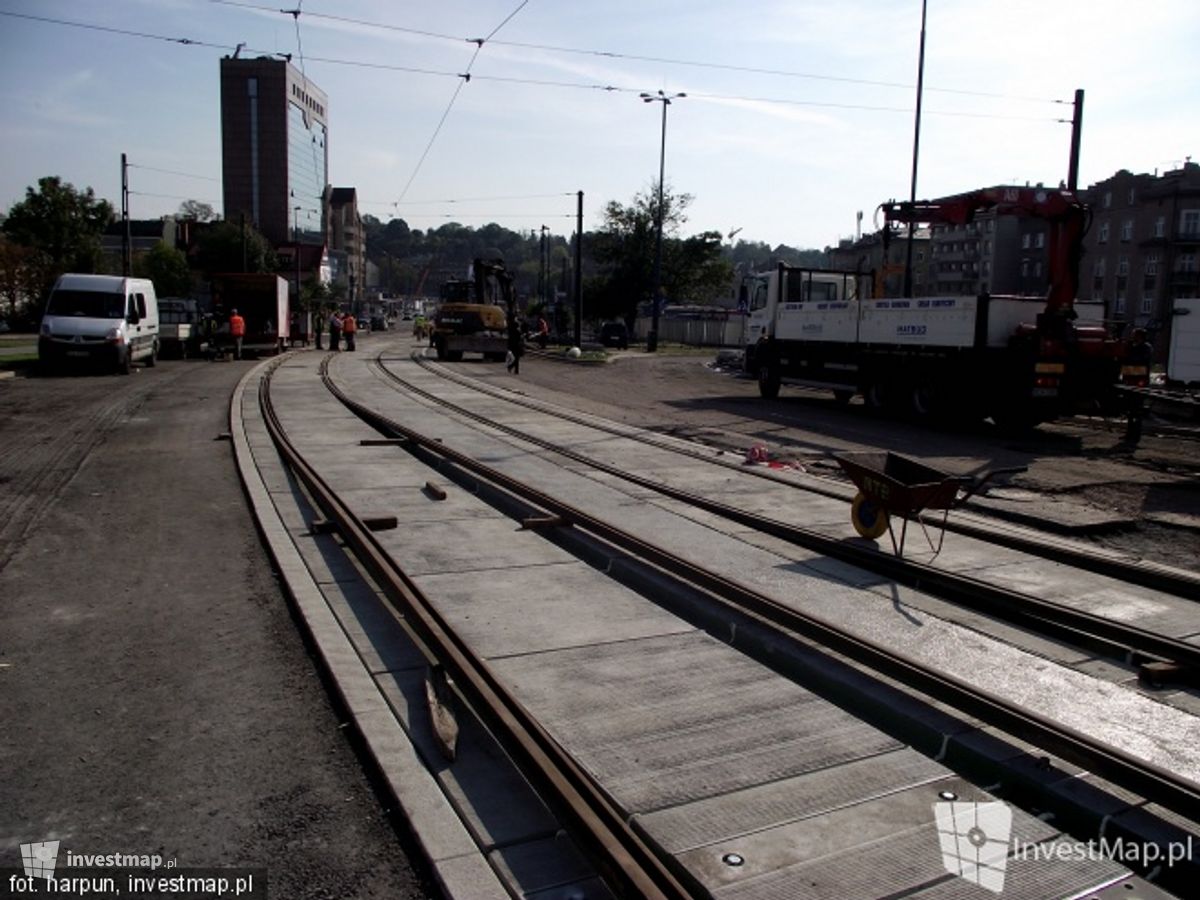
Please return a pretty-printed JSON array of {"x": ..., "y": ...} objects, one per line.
[{"x": 238, "y": 49}]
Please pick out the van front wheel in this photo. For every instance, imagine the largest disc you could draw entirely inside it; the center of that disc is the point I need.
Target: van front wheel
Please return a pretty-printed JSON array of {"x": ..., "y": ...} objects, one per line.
[{"x": 152, "y": 359}]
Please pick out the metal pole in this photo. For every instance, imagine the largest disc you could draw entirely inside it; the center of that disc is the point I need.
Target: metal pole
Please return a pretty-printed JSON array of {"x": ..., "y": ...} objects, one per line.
[
  {"x": 1076, "y": 129},
  {"x": 126, "y": 237},
  {"x": 652, "y": 338},
  {"x": 579, "y": 270},
  {"x": 912, "y": 196}
]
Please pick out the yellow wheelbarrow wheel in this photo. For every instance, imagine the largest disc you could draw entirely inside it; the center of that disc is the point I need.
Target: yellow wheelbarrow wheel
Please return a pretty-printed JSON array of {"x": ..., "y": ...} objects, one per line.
[{"x": 868, "y": 518}]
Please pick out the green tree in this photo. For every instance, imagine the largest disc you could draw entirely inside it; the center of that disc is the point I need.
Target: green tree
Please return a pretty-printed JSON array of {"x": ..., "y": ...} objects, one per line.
[
  {"x": 693, "y": 269},
  {"x": 224, "y": 246},
  {"x": 197, "y": 211},
  {"x": 61, "y": 227},
  {"x": 167, "y": 267}
]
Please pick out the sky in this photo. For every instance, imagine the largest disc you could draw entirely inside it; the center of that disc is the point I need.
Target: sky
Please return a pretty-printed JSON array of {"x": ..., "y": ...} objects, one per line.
[{"x": 799, "y": 114}]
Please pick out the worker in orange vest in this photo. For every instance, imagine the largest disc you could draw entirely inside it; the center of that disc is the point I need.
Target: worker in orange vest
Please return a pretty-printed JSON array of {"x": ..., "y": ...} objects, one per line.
[
  {"x": 349, "y": 329},
  {"x": 237, "y": 330}
]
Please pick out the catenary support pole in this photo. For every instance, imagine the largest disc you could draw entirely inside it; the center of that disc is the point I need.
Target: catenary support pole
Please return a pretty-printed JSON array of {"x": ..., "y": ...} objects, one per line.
[
  {"x": 578, "y": 287},
  {"x": 912, "y": 195}
]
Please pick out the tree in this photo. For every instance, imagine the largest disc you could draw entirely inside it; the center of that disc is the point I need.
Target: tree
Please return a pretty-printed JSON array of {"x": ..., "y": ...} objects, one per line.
[
  {"x": 222, "y": 250},
  {"x": 168, "y": 268},
  {"x": 197, "y": 211},
  {"x": 61, "y": 227},
  {"x": 692, "y": 268}
]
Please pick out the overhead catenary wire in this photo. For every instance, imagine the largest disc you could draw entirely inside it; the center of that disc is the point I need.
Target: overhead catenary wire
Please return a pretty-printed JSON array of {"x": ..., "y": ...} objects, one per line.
[
  {"x": 172, "y": 172},
  {"x": 633, "y": 57},
  {"x": 464, "y": 78},
  {"x": 607, "y": 88}
]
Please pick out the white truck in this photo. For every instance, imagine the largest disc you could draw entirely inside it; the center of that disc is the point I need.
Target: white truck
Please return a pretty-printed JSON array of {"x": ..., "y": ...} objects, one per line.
[{"x": 1019, "y": 360}]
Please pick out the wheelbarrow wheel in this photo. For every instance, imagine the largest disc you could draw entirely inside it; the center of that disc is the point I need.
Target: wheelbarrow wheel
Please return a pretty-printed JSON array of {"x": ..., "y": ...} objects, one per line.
[{"x": 868, "y": 518}]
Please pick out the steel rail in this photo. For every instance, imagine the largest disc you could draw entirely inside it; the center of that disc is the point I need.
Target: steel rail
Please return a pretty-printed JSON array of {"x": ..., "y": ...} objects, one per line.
[
  {"x": 1078, "y": 627},
  {"x": 1144, "y": 573},
  {"x": 1145, "y": 778},
  {"x": 627, "y": 863}
]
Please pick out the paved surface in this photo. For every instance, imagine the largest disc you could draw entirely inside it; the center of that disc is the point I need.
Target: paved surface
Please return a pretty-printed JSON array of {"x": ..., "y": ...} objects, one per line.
[
  {"x": 155, "y": 692},
  {"x": 712, "y": 753}
]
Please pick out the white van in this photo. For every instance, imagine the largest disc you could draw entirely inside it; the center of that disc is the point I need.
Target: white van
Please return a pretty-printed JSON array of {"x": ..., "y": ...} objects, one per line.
[{"x": 100, "y": 318}]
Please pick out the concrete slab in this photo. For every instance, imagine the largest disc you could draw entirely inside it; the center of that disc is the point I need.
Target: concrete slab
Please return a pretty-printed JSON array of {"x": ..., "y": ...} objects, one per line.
[
  {"x": 372, "y": 627},
  {"x": 486, "y": 542},
  {"x": 539, "y": 866},
  {"x": 547, "y": 607},
  {"x": 877, "y": 848},
  {"x": 667, "y": 720},
  {"x": 726, "y": 818},
  {"x": 496, "y": 804}
]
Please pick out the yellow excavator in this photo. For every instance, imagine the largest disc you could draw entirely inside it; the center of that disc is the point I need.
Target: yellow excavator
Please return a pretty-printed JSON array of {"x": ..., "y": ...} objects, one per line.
[{"x": 473, "y": 314}]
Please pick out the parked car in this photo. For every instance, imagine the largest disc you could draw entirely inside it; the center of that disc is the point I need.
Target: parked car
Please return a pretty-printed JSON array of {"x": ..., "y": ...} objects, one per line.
[{"x": 614, "y": 334}]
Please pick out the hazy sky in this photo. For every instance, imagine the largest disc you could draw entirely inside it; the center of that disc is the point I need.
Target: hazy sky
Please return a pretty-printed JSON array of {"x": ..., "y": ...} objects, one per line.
[{"x": 787, "y": 155}]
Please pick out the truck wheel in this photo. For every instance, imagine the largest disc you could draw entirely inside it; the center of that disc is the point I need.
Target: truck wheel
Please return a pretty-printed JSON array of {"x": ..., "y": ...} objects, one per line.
[
  {"x": 440, "y": 348},
  {"x": 152, "y": 359},
  {"x": 842, "y": 397},
  {"x": 454, "y": 355},
  {"x": 125, "y": 363},
  {"x": 922, "y": 401},
  {"x": 768, "y": 381},
  {"x": 869, "y": 520},
  {"x": 875, "y": 397}
]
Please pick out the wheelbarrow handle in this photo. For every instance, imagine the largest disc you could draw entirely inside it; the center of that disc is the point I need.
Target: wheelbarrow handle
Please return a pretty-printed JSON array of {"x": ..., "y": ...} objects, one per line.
[{"x": 972, "y": 484}]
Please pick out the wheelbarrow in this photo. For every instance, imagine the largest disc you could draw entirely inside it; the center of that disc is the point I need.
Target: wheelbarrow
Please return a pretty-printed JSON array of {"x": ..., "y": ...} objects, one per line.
[{"x": 893, "y": 485}]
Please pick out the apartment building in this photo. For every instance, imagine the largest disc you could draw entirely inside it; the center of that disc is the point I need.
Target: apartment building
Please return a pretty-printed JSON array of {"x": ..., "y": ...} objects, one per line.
[{"x": 1142, "y": 250}]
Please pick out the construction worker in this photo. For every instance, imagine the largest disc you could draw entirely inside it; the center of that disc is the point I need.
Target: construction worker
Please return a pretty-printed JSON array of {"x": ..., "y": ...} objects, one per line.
[
  {"x": 349, "y": 329},
  {"x": 237, "y": 331},
  {"x": 335, "y": 329},
  {"x": 1138, "y": 360}
]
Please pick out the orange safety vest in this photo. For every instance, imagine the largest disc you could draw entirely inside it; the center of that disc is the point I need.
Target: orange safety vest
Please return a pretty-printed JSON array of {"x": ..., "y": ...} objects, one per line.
[
  {"x": 237, "y": 326},
  {"x": 349, "y": 325}
]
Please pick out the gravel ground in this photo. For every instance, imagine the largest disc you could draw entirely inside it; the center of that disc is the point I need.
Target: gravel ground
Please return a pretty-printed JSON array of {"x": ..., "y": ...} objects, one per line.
[
  {"x": 1155, "y": 489},
  {"x": 155, "y": 691}
]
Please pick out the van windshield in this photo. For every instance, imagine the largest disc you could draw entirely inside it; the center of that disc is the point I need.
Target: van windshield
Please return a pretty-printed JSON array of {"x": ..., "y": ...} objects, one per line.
[{"x": 86, "y": 304}]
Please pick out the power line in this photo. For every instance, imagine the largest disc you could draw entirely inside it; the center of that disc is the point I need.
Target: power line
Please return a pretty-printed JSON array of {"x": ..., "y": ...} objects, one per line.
[
  {"x": 488, "y": 199},
  {"x": 464, "y": 79},
  {"x": 170, "y": 172},
  {"x": 612, "y": 54},
  {"x": 189, "y": 42},
  {"x": 166, "y": 196}
]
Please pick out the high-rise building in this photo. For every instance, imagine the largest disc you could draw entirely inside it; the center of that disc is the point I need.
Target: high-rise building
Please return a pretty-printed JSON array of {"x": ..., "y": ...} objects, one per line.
[{"x": 275, "y": 155}]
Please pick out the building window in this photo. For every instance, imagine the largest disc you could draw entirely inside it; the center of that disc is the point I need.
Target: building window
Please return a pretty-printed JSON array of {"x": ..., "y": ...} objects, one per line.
[
  {"x": 1123, "y": 265},
  {"x": 1186, "y": 262},
  {"x": 1103, "y": 233},
  {"x": 1039, "y": 240},
  {"x": 1037, "y": 269},
  {"x": 1025, "y": 242},
  {"x": 1150, "y": 264},
  {"x": 1160, "y": 226},
  {"x": 1119, "y": 305},
  {"x": 1127, "y": 230},
  {"x": 1098, "y": 285},
  {"x": 1024, "y": 268},
  {"x": 1132, "y": 196},
  {"x": 1147, "y": 305},
  {"x": 1098, "y": 268},
  {"x": 1189, "y": 223}
]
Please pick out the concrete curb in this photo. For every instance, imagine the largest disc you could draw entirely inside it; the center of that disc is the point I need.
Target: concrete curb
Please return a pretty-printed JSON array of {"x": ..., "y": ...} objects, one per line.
[{"x": 452, "y": 855}]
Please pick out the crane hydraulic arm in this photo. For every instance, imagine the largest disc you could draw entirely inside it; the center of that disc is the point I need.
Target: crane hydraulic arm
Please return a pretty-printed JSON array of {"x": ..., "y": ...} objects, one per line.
[{"x": 1066, "y": 215}]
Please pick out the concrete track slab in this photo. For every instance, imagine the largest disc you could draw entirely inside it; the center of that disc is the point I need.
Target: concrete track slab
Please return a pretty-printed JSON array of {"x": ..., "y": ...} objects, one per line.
[
  {"x": 372, "y": 628},
  {"x": 542, "y": 608},
  {"x": 487, "y": 542},
  {"x": 849, "y": 847},
  {"x": 724, "y": 819},
  {"x": 667, "y": 720}
]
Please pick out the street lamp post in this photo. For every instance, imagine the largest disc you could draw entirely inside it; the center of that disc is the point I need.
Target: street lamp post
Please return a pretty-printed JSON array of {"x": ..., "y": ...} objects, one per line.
[{"x": 665, "y": 100}]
